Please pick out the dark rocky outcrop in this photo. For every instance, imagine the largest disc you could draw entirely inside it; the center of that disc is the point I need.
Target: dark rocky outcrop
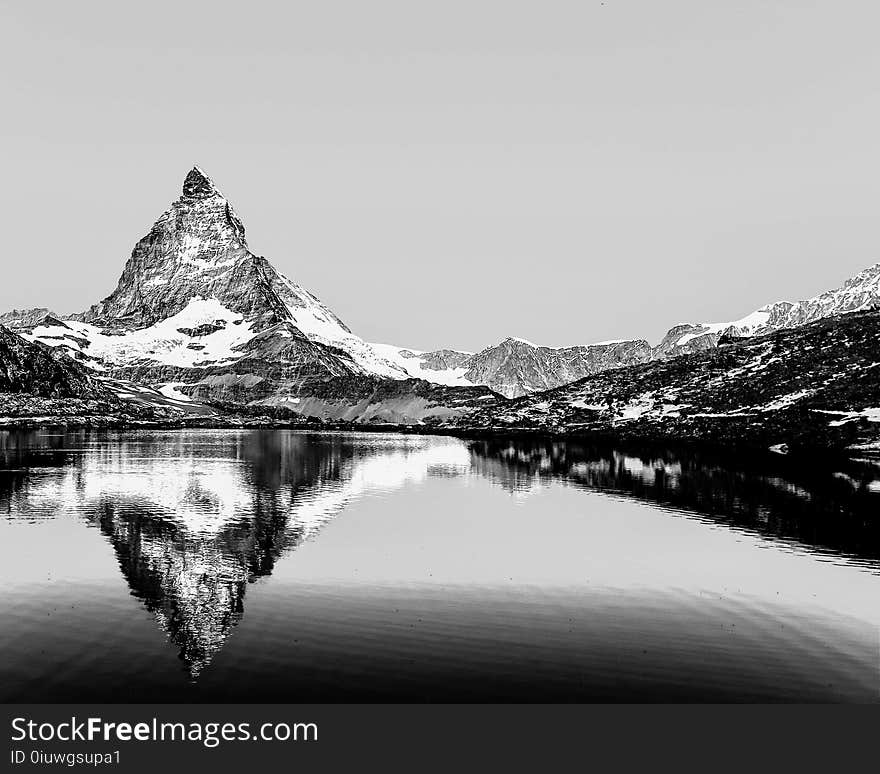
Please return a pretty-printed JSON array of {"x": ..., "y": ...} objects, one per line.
[
  {"x": 34, "y": 368},
  {"x": 439, "y": 360}
]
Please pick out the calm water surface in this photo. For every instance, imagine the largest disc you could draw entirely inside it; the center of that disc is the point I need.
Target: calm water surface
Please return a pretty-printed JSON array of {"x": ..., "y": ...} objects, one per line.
[{"x": 275, "y": 565}]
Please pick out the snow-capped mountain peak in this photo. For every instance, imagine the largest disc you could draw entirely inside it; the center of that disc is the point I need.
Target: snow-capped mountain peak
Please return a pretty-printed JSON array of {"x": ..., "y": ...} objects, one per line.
[
  {"x": 858, "y": 293},
  {"x": 196, "y": 248},
  {"x": 192, "y": 295}
]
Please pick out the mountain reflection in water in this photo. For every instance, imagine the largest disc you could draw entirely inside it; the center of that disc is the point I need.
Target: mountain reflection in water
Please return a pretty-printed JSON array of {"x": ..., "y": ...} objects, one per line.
[
  {"x": 194, "y": 519},
  {"x": 195, "y": 516},
  {"x": 822, "y": 505}
]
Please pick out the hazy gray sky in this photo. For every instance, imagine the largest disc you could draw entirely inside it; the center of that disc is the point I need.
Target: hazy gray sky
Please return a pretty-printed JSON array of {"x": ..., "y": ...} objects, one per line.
[{"x": 450, "y": 173}]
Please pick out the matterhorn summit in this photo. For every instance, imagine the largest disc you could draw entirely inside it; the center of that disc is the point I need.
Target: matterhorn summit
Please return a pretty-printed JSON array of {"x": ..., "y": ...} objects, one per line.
[
  {"x": 197, "y": 248},
  {"x": 194, "y": 303},
  {"x": 197, "y": 184}
]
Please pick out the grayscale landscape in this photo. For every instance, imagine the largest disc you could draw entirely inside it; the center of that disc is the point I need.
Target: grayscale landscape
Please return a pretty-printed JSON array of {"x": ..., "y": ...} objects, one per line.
[{"x": 338, "y": 472}]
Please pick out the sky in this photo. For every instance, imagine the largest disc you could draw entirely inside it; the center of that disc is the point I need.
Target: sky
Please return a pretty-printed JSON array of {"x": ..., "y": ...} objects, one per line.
[{"x": 449, "y": 174}]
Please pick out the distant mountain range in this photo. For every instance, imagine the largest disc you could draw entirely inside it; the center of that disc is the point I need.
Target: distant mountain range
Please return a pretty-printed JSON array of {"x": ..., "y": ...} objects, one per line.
[
  {"x": 517, "y": 367},
  {"x": 816, "y": 384},
  {"x": 196, "y": 318}
]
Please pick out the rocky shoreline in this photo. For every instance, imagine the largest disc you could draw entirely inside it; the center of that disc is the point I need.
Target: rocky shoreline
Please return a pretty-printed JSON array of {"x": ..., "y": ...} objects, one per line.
[{"x": 643, "y": 437}]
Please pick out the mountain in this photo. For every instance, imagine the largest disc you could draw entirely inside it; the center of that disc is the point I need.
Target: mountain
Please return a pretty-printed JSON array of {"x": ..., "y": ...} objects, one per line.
[
  {"x": 27, "y": 318},
  {"x": 442, "y": 366},
  {"x": 197, "y": 316},
  {"x": 815, "y": 384},
  {"x": 192, "y": 295},
  {"x": 857, "y": 294},
  {"x": 516, "y": 367},
  {"x": 194, "y": 303}
]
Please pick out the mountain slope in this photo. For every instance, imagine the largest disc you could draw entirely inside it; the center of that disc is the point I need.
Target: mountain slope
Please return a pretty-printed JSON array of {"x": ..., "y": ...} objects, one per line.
[
  {"x": 196, "y": 316},
  {"x": 36, "y": 369},
  {"x": 516, "y": 367},
  {"x": 814, "y": 384},
  {"x": 858, "y": 293},
  {"x": 39, "y": 384}
]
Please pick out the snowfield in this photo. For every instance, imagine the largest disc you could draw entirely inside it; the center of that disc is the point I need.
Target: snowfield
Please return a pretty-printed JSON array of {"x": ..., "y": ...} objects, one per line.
[
  {"x": 744, "y": 327},
  {"x": 160, "y": 343},
  {"x": 412, "y": 366},
  {"x": 320, "y": 324}
]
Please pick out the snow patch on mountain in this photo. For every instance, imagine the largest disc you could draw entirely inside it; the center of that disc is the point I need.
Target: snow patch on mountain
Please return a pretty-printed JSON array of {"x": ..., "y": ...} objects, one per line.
[
  {"x": 871, "y": 414},
  {"x": 411, "y": 362},
  {"x": 169, "y": 390},
  {"x": 174, "y": 341},
  {"x": 319, "y": 324},
  {"x": 520, "y": 340},
  {"x": 785, "y": 401},
  {"x": 744, "y": 327},
  {"x": 636, "y": 408}
]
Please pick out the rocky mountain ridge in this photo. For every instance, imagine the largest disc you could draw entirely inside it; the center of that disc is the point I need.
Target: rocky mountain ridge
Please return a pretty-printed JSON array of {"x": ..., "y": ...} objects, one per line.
[
  {"x": 27, "y": 318},
  {"x": 858, "y": 293},
  {"x": 517, "y": 367},
  {"x": 815, "y": 384}
]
